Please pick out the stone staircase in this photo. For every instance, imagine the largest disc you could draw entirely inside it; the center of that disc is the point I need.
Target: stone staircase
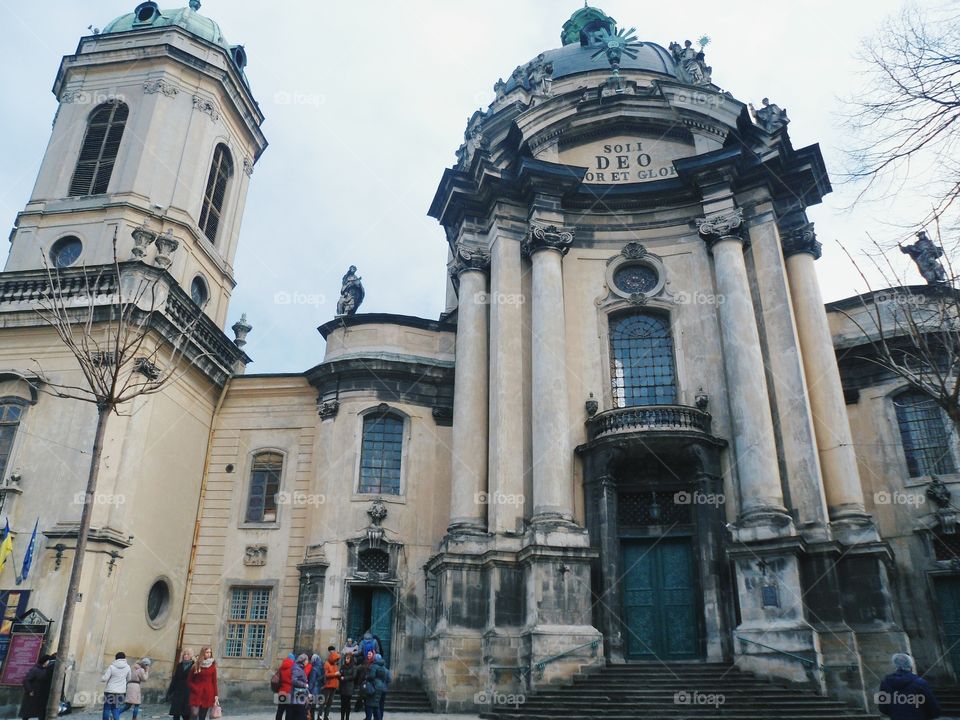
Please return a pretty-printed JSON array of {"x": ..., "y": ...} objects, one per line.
[
  {"x": 406, "y": 699},
  {"x": 678, "y": 690},
  {"x": 949, "y": 698}
]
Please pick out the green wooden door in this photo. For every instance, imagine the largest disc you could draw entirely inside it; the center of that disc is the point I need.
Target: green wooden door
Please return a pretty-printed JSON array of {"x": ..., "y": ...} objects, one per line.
[
  {"x": 381, "y": 619},
  {"x": 948, "y": 593},
  {"x": 371, "y": 609},
  {"x": 659, "y": 600}
]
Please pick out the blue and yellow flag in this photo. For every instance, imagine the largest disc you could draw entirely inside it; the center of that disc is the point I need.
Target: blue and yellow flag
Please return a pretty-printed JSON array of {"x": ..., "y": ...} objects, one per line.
[
  {"x": 6, "y": 545},
  {"x": 28, "y": 555}
]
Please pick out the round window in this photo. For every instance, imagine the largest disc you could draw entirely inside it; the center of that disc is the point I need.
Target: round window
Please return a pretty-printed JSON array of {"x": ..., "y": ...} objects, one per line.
[
  {"x": 635, "y": 278},
  {"x": 158, "y": 602},
  {"x": 199, "y": 292},
  {"x": 65, "y": 251}
]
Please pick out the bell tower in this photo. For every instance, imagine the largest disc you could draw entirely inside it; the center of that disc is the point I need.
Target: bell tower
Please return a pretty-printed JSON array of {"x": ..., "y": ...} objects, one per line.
[{"x": 154, "y": 143}]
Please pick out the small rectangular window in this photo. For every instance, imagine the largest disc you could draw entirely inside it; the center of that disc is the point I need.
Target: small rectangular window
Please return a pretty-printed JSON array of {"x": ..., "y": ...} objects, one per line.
[{"x": 247, "y": 623}]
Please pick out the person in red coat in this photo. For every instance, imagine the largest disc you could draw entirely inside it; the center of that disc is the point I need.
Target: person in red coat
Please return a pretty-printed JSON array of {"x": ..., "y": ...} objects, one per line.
[
  {"x": 285, "y": 691},
  {"x": 203, "y": 685}
]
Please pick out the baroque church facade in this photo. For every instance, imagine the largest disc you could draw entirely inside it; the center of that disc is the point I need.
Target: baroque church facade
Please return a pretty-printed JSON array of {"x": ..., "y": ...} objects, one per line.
[{"x": 635, "y": 434}]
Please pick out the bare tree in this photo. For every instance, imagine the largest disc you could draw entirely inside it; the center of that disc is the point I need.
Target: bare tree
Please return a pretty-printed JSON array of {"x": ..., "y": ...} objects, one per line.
[
  {"x": 108, "y": 319},
  {"x": 913, "y": 331},
  {"x": 908, "y": 116}
]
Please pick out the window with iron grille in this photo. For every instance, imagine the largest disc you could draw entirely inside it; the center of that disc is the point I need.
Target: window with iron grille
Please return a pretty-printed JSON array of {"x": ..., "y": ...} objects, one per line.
[
  {"x": 264, "y": 485},
  {"x": 247, "y": 622},
  {"x": 220, "y": 173},
  {"x": 372, "y": 560},
  {"x": 10, "y": 413},
  {"x": 641, "y": 361},
  {"x": 923, "y": 431},
  {"x": 98, "y": 154},
  {"x": 380, "y": 454},
  {"x": 660, "y": 507}
]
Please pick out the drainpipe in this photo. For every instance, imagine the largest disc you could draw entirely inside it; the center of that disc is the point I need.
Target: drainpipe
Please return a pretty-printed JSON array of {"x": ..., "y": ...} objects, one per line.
[{"x": 196, "y": 525}]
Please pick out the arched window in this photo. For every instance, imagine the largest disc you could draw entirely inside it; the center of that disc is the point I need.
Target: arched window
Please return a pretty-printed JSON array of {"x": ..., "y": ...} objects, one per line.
[
  {"x": 923, "y": 431},
  {"x": 380, "y": 454},
  {"x": 99, "y": 151},
  {"x": 264, "y": 485},
  {"x": 10, "y": 413},
  {"x": 220, "y": 173},
  {"x": 641, "y": 361}
]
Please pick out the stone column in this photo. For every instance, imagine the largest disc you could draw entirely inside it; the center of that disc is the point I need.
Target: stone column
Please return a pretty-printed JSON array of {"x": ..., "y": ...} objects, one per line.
[
  {"x": 552, "y": 458},
  {"x": 755, "y": 450},
  {"x": 793, "y": 417},
  {"x": 470, "y": 408},
  {"x": 831, "y": 425},
  {"x": 506, "y": 384}
]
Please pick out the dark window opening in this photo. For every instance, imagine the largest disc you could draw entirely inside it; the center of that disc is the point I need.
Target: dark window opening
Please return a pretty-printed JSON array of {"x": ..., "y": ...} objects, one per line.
[{"x": 98, "y": 153}]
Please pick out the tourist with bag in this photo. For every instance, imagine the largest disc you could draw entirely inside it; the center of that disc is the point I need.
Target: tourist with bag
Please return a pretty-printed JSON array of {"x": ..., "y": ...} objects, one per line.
[
  {"x": 115, "y": 677},
  {"x": 138, "y": 675}
]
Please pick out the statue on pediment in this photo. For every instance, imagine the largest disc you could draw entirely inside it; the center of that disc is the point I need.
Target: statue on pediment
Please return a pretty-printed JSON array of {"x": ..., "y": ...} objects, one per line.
[{"x": 351, "y": 293}]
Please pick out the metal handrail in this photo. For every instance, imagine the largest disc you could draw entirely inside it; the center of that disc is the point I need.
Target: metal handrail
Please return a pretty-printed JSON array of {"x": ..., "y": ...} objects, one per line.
[
  {"x": 805, "y": 661},
  {"x": 593, "y": 645}
]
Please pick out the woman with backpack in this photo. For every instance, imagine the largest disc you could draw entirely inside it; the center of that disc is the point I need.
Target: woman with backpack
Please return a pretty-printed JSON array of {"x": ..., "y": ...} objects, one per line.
[{"x": 379, "y": 677}]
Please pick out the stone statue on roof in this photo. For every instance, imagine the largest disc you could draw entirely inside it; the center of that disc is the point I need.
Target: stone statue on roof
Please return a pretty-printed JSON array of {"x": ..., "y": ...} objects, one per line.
[
  {"x": 692, "y": 62},
  {"x": 351, "y": 293},
  {"x": 927, "y": 257},
  {"x": 771, "y": 117}
]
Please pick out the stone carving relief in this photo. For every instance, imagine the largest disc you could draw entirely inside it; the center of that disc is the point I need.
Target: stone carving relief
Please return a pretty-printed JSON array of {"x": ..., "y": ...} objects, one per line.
[
  {"x": 151, "y": 87},
  {"x": 547, "y": 237},
  {"x": 255, "y": 555},
  {"x": 473, "y": 140},
  {"x": 328, "y": 409},
  {"x": 206, "y": 106},
  {"x": 721, "y": 226},
  {"x": 799, "y": 240}
]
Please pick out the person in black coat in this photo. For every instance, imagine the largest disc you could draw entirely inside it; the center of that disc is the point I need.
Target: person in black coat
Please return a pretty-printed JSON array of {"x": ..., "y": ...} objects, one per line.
[
  {"x": 36, "y": 688},
  {"x": 178, "y": 694},
  {"x": 905, "y": 696},
  {"x": 348, "y": 677}
]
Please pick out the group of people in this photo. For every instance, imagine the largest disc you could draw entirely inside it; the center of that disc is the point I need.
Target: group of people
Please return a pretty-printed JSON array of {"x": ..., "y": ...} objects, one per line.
[
  {"x": 122, "y": 690},
  {"x": 192, "y": 692},
  {"x": 305, "y": 686}
]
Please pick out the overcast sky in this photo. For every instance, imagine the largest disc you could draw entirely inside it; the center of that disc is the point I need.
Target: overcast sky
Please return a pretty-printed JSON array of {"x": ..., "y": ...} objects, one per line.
[{"x": 366, "y": 102}]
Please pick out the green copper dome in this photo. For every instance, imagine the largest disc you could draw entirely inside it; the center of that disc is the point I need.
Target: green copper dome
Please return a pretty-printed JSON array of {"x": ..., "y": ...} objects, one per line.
[
  {"x": 583, "y": 23},
  {"x": 149, "y": 15}
]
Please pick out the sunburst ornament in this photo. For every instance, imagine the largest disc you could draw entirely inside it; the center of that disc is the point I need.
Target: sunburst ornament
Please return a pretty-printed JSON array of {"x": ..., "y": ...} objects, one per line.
[{"x": 617, "y": 44}]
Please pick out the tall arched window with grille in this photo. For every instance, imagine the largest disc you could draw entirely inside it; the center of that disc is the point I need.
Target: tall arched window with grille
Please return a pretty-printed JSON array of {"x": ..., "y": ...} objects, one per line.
[
  {"x": 641, "y": 360},
  {"x": 923, "y": 432},
  {"x": 265, "y": 473},
  {"x": 221, "y": 170},
  {"x": 98, "y": 154},
  {"x": 380, "y": 454}
]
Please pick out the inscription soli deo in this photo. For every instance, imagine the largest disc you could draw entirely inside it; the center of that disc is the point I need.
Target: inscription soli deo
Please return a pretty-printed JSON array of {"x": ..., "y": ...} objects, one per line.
[{"x": 626, "y": 160}]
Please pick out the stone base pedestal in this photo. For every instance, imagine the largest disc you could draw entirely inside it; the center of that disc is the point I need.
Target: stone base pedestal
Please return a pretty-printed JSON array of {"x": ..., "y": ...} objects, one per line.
[{"x": 510, "y": 614}]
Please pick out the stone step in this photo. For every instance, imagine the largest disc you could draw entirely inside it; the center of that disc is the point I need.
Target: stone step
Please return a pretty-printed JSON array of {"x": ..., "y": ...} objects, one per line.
[{"x": 626, "y": 692}]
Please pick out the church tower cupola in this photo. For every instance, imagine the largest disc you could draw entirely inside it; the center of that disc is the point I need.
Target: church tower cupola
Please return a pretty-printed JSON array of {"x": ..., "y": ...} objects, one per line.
[{"x": 154, "y": 143}]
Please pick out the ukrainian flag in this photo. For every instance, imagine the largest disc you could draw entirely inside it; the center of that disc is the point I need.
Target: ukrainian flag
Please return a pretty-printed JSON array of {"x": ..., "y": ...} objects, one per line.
[{"x": 6, "y": 545}]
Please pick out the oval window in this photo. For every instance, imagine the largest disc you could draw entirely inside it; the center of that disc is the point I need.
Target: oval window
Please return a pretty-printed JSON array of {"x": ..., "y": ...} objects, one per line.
[
  {"x": 65, "y": 251},
  {"x": 158, "y": 601},
  {"x": 635, "y": 278},
  {"x": 199, "y": 291}
]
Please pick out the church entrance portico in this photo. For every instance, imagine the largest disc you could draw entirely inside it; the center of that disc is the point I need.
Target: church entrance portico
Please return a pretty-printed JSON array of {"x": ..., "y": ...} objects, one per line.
[
  {"x": 371, "y": 608},
  {"x": 655, "y": 513}
]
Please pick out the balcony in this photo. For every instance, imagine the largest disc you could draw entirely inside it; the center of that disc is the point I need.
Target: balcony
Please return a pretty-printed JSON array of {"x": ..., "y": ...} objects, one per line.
[{"x": 666, "y": 419}]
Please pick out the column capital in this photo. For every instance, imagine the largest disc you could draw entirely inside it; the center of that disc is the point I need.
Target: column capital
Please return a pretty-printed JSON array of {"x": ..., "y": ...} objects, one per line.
[
  {"x": 801, "y": 239},
  {"x": 467, "y": 259},
  {"x": 547, "y": 237},
  {"x": 723, "y": 226}
]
